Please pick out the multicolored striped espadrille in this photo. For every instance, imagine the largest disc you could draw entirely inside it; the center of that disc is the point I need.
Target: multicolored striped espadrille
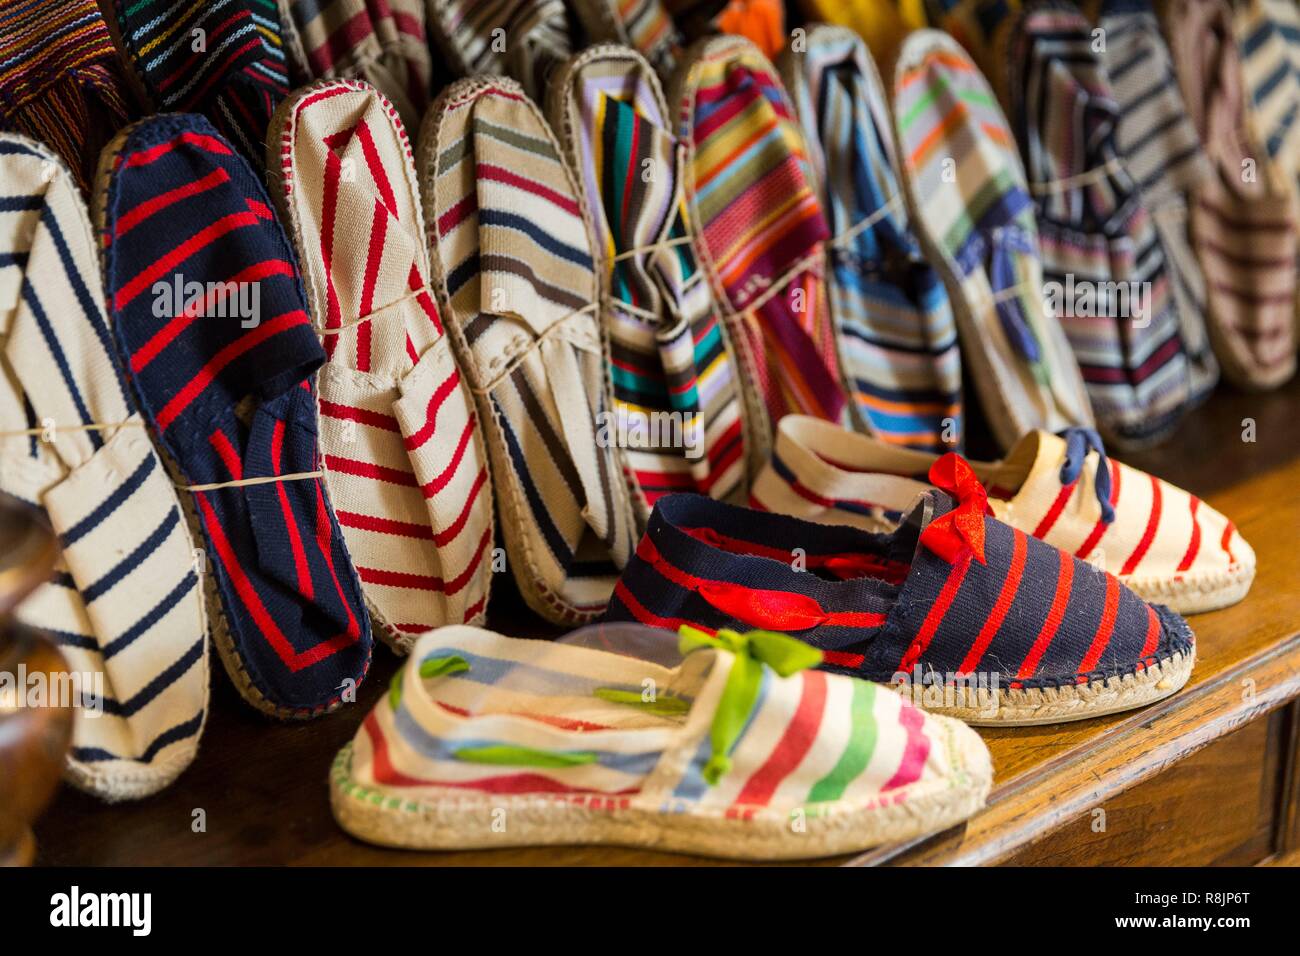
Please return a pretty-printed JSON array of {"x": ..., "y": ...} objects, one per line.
[
  {"x": 675, "y": 374},
  {"x": 1103, "y": 261},
  {"x": 1000, "y": 627},
  {"x": 125, "y": 603},
  {"x": 517, "y": 286},
  {"x": 382, "y": 42},
  {"x": 225, "y": 60},
  {"x": 1165, "y": 544},
  {"x": 61, "y": 80},
  {"x": 206, "y": 305},
  {"x": 736, "y": 750},
  {"x": 1163, "y": 153},
  {"x": 524, "y": 39},
  {"x": 1242, "y": 223},
  {"x": 643, "y": 25},
  {"x": 897, "y": 338},
  {"x": 760, "y": 226},
  {"x": 972, "y": 209},
  {"x": 405, "y": 461}
]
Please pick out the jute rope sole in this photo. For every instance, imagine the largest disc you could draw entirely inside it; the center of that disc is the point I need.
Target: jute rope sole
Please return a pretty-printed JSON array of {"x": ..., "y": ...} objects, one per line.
[
  {"x": 1196, "y": 595},
  {"x": 1028, "y": 707},
  {"x": 461, "y": 822}
]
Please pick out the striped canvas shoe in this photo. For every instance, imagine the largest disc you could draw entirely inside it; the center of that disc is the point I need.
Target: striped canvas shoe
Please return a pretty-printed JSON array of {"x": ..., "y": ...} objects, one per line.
[
  {"x": 405, "y": 462},
  {"x": 1163, "y": 543},
  {"x": 124, "y": 605},
  {"x": 760, "y": 225},
  {"x": 1242, "y": 226},
  {"x": 1103, "y": 261},
  {"x": 383, "y": 44},
  {"x": 517, "y": 287},
  {"x": 61, "y": 80},
  {"x": 523, "y": 39},
  {"x": 643, "y": 25},
  {"x": 973, "y": 213},
  {"x": 206, "y": 306},
  {"x": 721, "y": 744},
  {"x": 1163, "y": 153},
  {"x": 973, "y": 617},
  {"x": 897, "y": 338},
  {"x": 675, "y": 375}
]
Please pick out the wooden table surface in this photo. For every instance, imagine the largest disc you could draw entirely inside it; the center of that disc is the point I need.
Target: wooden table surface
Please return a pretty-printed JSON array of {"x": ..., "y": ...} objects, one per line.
[{"x": 262, "y": 785}]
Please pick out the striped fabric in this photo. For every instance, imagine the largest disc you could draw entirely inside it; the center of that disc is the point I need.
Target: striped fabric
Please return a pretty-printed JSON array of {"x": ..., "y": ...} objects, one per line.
[
  {"x": 380, "y": 41},
  {"x": 1161, "y": 539},
  {"x": 1163, "y": 153},
  {"x": 1102, "y": 257},
  {"x": 224, "y": 59},
  {"x": 61, "y": 81},
  {"x": 881, "y": 605},
  {"x": 643, "y": 25},
  {"x": 974, "y": 24},
  {"x": 671, "y": 356},
  {"x": 524, "y": 39},
  {"x": 226, "y": 388},
  {"x": 973, "y": 212},
  {"x": 124, "y": 605},
  {"x": 760, "y": 225},
  {"x": 1242, "y": 226},
  {"x": 517, "y": 287},
  {"x": 404, "y": 456},
  {"x": 898, "y": 341},
  {"x": 494, "y": 719}
]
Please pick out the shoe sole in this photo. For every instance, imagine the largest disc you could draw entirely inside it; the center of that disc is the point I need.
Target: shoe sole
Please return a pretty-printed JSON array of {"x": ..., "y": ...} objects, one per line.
[{"x": 1196, "y": 595}]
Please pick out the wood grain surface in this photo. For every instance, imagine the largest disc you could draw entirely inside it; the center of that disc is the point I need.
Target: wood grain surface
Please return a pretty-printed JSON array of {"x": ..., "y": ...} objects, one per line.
[{"x": 261, "y": 785}]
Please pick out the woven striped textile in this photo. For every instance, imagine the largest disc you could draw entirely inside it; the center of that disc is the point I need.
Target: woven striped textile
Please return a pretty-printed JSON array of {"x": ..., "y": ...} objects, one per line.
[
  {"x": 760, "y": 227},
  {"x": 643, "y": 25},
  {"x": 517, "y": 286},
  {"x": 524, "y": 39},
  {"x": 124, "y": 604},
  {"x": 1243, "y": 225},
  {"x": 1163, "y": 154},
  {"x": 675, "y": 376},
  {"x": 224, "y": 59},
  {"x": 882, "y": 605},
  {"x": 405, "y": 462},
  {"x": 972, "y": 210},
  {"x": 380, "y": 41},
  {"x": 897, "y": 337},
  {"x": 1164, "y": 543},
  {"x": 226, "y": 387},
  {"x": 1102, "y": 256},
  {"x": 728, "y": 739},
  {"x": 61, "y": 81}
]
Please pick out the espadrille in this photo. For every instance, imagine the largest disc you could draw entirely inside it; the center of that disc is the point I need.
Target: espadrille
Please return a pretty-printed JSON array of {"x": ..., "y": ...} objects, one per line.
[
  {"x": 720, "y": 744},
  {"x": 1163, "y": 152},
  {"x": 759, "y": 224},
  {"x": 893, "y": 320},
  {"x": 675, "y": 375},
  {"x": 63, "y": 82},
  {"x": 224, "y": 60},
  {"x": 125, "y": 604},
  {"x": 1163, "y": 543},
  {"x": 643, "y": 25},
  {"x": 405, "y": 462},
  {"x": 1103, "y": 261},
  {"x": 973, "y": 617},
  {"x": 206, "y": 306},
  {"x": 972, "y": 210},
  {"x": 517, "y": 287},
  {"x": 1243, "y": 224},
  {"x": 523, "y": 39},
  {"x": 383, "y": 44}
]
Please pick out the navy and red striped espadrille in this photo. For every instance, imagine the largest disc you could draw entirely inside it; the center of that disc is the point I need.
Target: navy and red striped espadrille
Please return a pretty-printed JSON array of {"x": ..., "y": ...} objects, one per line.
[{"x": 977, "y": 618}]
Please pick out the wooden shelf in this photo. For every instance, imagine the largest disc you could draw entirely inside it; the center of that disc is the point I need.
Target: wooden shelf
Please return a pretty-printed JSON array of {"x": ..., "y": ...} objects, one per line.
[{"x": 1208, "y": 775}]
